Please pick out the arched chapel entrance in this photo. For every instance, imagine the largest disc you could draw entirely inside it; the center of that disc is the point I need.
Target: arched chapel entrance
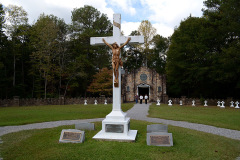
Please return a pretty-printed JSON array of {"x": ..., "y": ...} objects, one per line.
[{"x": 143, "y": 89}]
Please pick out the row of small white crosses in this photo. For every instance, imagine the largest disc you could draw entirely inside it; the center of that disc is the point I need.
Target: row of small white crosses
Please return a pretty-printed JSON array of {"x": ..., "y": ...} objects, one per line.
[
  {"x": 95, "y": 102},
  {"x": 232, "y": 104},
  {"x": 205, "y": 103}
]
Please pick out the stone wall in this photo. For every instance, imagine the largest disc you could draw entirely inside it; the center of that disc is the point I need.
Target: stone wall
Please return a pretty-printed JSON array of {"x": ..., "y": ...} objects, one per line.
[{"x": 16, "y": 101}]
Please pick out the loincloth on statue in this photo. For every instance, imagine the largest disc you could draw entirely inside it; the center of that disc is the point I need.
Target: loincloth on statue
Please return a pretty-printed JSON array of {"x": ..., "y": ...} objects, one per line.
[{"x": 119, "y": 61}]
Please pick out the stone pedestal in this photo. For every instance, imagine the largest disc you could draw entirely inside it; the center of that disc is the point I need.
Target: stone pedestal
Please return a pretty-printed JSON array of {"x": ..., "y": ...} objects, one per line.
[{"x": 116, "y": 127}]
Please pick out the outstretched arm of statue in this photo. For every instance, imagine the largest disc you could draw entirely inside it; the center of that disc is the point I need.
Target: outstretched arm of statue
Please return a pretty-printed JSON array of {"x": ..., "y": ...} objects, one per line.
[
  {"x": 125, "y": 43},
  {"x": 107, "y": 43}
]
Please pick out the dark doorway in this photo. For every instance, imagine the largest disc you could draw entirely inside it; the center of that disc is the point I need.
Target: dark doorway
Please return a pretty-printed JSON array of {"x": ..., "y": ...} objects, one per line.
[{"x": 143, "y": 91}]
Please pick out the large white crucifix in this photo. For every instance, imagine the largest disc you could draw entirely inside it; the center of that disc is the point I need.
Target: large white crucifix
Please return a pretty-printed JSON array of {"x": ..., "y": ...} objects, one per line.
[{"x": 116, "y": 124}]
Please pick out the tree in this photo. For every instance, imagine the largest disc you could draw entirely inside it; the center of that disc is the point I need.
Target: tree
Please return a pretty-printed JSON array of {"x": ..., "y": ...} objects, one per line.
[
  {"x": 2, "y": 15},
  {"x": 15, "y": 16},
  {"x": 45, "y": 40},
  {"x": 188, "y": 59},
  {"x": 102, "y": 83},
  {"x": 224, "y": 17},
  {"x": 148, "y": 31},
  {"x": 89, "y": 22},
  {"x": 157, "y": 59}
]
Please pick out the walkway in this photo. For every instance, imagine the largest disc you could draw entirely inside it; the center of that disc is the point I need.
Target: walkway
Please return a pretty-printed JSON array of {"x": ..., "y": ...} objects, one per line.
[{"x": 138, "y": 112}]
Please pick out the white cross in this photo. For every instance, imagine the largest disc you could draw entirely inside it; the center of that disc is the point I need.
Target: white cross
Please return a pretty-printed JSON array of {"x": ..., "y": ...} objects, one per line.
[
  {"x": 180, "y": 102},
  {"x": 119, "y": 39},
  {"x": 232, "y": 104},
  {"x": 222, "y": 106},
  {"x": 193, "y": 103},
  {"x": 205, "y": 103},
  {"x": 105, "y": 102},
  {"x": 170, "y": 102},
  {"x": 85, "y": 102},
  {"x": 218, "y": 103},
  {"x": 95, "y": 102},
  {"x": 237, "y": 103},
  {"x": 158, "y": 102}
]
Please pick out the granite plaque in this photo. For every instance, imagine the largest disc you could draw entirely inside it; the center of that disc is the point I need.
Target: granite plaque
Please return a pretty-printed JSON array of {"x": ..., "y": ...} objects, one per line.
[
  {"x": 155, "y": 140},
  {"x": 72, "y": 136},
  {"x": 159, "y": 139},
  {"x": 115, "y": 128},
  {"x": 157, "y": 128}
]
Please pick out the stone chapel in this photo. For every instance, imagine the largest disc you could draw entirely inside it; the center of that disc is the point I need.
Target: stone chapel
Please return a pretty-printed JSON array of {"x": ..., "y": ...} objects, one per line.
[{"x": 144, "y": 81}]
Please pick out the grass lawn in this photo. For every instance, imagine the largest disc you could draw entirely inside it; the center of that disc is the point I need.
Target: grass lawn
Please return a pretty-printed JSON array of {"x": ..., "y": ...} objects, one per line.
[
  {"x": 214, "y": 116},
  {"x": 188, "y": 144},
  {"x": 34, "y": 114}
]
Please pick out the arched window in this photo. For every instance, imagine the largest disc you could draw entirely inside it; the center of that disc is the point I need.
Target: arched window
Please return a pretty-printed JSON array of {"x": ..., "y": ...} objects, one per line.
[{"x": 159, "y": 89}]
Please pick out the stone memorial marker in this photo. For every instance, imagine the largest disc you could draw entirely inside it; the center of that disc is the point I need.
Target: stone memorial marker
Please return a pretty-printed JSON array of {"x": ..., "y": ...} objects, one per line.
[
  {"x": 159, "y": 139},
  {"x": 222, "y": 106},
  {"x": 116, "y": 126},
  {"x": 170, "y": 102},
  {"x": 232, "y": 104},
  {"x": 72, "y": 136},
  {"x": 95, "y": 102},
  {"x": 158, "y": 102},
  {"x": 193, "y": 102},
  {"x": 157, "y": 128},
  {"x": 85, "y": 126},
  {"x": 205, "y": 103},
  {"x": 237, "y": 103},
  {"x": 105, "y": 102},
  {"x": 180, "y": 102},
  {"x": 218, "y": 103},
  {"x": 85, "y": 102}
]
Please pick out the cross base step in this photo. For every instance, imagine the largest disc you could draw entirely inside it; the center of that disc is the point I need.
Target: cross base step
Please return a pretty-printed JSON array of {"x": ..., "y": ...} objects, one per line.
[{"x": 130, "y": 137}]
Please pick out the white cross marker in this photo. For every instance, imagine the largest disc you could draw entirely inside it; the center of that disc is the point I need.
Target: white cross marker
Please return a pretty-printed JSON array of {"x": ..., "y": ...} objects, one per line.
[
  {"x": 158, "y": 102},
  {"x": 95, "y": 102},
  {"x": 193, "y": 103},
  {"x": 232, "y": 104},
  {"x": 205, "y": 103},
  {"x": 237, "y": 103},
  {"x": 222, "y": 106},
  {"x": 218, "y": 103},
  {"x": 170, "y": 102},
  {"x": 180, "y": 102},
  {"x": 119, "y": 39}
]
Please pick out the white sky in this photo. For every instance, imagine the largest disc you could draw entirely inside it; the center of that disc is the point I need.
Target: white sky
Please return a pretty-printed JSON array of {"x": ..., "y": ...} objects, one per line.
[{"x": 164, "y": 15}]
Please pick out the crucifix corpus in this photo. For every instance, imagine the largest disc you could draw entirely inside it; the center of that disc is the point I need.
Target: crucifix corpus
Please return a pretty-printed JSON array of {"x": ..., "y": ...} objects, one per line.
[{"x": 116, "y": 126}]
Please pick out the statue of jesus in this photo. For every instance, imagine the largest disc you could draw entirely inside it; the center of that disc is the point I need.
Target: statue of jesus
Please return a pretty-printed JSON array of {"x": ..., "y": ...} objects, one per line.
[{"x": 116, "y": 60}]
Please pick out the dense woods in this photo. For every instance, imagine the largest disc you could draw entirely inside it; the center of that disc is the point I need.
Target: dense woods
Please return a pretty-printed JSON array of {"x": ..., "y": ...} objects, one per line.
[{"x": 51, "y": 58}]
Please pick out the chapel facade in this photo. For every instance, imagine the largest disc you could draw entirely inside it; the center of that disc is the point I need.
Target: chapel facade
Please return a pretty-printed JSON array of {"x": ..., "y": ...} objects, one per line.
[{"x": 144, "y": 81}]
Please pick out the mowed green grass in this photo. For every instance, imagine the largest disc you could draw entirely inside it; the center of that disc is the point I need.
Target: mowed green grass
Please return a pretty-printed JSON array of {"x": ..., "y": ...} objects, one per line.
[
  {"x": 188, "y": 144},
  {"x": 34, "y": 114},
  {"x": 211, "y": 115}
]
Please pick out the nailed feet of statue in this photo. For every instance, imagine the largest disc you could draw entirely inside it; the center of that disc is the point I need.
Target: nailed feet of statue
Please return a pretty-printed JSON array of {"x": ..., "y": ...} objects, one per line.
[{"x": 116, "y": 83}]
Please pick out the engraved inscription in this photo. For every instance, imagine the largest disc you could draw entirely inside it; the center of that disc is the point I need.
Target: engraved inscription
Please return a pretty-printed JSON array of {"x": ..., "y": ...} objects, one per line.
[
  {"x": 73, "y": 136},
  {"x": 159, "y": 140},
  {"x": 114, "y": 128}
]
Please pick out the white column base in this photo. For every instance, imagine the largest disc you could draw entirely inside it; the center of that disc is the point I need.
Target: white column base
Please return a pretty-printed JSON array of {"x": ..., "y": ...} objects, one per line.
[{"x": 116, "y": 127}]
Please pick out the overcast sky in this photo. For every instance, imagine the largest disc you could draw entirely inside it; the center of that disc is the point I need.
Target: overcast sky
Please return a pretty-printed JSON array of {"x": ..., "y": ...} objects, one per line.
[{"x": 165, "y": 15}]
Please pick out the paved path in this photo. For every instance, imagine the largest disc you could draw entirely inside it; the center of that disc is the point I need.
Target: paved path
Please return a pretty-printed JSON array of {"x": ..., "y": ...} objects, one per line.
[{"x": 138, "y": 112}]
